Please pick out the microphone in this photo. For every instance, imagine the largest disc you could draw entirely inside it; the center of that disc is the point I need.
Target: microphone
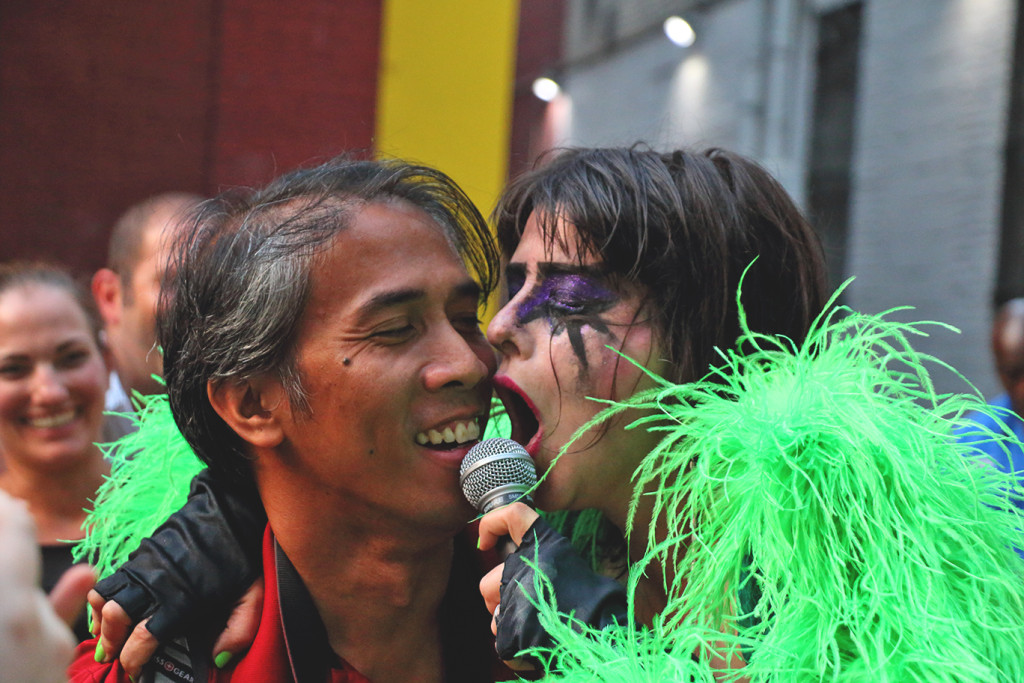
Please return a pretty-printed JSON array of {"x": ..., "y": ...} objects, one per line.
[{"x": 497, "y": 472}]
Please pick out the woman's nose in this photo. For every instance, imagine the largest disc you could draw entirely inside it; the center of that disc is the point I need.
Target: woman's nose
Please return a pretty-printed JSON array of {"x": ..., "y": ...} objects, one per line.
[
  {"x": 502, "y": 331},
  {"x": 47, "y": 385}
]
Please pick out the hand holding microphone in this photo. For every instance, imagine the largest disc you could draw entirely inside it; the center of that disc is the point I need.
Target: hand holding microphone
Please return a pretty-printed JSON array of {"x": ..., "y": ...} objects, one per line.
[{"x": 495, "y": 473}]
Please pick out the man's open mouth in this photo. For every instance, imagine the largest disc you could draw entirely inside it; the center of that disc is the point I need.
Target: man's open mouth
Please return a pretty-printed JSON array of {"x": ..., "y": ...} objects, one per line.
[{"x": 521, "y": 411}]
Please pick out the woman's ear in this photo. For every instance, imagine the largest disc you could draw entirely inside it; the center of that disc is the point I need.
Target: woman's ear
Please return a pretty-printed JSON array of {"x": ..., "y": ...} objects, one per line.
[{"x": 252, "y": 408}]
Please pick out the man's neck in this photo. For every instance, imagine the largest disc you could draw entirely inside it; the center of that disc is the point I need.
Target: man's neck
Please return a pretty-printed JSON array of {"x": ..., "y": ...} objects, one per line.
[{"x": 376, "y": 583}]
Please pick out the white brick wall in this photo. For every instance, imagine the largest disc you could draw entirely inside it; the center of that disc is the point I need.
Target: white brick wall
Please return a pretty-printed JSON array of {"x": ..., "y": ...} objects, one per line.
[
  {"x": 928, "y": 167},
  {"x": 928, "y": 147}
]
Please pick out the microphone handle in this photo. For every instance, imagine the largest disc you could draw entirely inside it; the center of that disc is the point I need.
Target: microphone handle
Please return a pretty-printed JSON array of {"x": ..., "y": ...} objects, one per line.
[
  {"x": 501, "y": 497},
  {"x": 504, "y": 495}
]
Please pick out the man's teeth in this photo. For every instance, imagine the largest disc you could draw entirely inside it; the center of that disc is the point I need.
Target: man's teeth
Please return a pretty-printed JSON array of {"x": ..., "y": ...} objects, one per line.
[
  {"x": 461, "y": 433},
  {"x": 52, "y": 421}
]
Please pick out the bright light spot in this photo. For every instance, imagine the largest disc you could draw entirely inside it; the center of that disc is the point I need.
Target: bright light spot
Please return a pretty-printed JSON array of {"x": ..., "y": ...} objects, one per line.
[
  {"x": 546, "y": 89},
  {"x": 679, "y": 31}
]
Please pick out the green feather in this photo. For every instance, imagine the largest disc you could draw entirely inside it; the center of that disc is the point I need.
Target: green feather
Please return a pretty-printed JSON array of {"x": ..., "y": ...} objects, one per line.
[
  {"x": 826, "y": 476},
  {"x": 499, "y": 425},
  {"x": 150, "y": 473}
]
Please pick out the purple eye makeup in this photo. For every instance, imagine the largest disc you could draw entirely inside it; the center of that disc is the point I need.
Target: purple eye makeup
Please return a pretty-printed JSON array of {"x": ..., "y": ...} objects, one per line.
[{"x": 568, "y": 297}]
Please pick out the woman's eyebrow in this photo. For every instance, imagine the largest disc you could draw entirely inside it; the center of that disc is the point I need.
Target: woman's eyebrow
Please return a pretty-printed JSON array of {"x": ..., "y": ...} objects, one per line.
[{"x": 549, "y": 268}]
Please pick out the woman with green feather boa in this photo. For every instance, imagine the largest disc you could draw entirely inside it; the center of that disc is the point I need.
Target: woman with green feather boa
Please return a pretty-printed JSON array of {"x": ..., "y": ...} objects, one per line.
[
  {"x": 800, "y": 513},
  {"x": 786, "y": 507}
]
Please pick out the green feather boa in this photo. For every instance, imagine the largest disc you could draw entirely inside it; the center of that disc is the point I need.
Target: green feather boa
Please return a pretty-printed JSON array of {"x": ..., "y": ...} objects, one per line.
[
  {"x": 825, "y": 477},
  {"x": 150, "y": 472},
  {"x": 825, "y": 474}
]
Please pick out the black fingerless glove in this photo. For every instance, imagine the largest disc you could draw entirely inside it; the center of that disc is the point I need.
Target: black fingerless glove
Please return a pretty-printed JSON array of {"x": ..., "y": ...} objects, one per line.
[
  {"x": 594, "y": 599},
  {"x": 197, "y": 563}
]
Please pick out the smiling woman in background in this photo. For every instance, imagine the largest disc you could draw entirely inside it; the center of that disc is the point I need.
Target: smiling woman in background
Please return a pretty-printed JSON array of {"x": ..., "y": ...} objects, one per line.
[{"x": 53, "y": 375}]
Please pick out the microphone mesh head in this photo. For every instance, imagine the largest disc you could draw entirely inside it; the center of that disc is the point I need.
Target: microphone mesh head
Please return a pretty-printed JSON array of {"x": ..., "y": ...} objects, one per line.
[{"x": 495, "y": 464}]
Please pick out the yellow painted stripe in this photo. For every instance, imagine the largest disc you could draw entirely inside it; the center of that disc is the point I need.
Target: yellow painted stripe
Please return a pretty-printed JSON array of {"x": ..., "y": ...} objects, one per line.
[{"x": 445, "y": 89}]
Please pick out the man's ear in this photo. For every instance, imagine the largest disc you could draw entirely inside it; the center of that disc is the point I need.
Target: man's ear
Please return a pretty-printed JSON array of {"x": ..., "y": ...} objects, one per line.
[
  {"x": 252, "y": 408},
  {"x": 106, "y": 291}
]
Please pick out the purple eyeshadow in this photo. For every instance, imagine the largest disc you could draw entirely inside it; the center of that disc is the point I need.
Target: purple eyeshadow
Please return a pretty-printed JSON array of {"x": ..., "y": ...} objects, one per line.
[
  {"x": 568, "y": 301},
  {"x": 559, "y": 295}
]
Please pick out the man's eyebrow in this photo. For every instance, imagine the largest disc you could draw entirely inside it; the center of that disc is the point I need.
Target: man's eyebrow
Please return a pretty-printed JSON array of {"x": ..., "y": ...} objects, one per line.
[
  {"x": 467, "y": 290},
  {"x": 516, "y": 270},
  {"x": 396, "y": 297},
  {"x": 389, "y": 298}
]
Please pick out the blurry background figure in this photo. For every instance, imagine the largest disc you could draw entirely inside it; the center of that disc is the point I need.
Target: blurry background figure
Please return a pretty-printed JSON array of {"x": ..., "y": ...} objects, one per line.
[
  {"x": 53, "y": 376},
  {"x": 127, "y": 292},
  {"x": 1008, "y": 355},
  {"x": 35, "y": 646}
]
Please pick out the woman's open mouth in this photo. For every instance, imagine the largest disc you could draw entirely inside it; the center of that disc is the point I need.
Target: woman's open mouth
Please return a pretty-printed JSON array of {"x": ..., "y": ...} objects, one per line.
[{"x": 521, "y": 412}]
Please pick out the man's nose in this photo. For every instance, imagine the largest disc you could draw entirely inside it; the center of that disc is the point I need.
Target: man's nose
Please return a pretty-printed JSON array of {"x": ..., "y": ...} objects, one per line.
[{"x": 458, "y": 362}]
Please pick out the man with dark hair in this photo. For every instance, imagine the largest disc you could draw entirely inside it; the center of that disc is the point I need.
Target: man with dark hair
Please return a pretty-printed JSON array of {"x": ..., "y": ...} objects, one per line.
[
  {"x": 320, "y": 332},
  {"x": 1008, "y": 356},
  {"x": 126, "y": 292}
]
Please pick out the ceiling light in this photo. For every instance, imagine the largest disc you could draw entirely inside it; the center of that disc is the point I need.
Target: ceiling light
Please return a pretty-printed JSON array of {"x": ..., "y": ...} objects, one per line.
[
  {"x": 546, "y": 88},
  {"x": 679, "y": 31}
]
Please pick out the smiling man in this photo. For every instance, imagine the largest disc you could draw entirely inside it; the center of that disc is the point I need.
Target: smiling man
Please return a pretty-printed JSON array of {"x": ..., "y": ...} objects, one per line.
[{"x": 322, "y": 343}]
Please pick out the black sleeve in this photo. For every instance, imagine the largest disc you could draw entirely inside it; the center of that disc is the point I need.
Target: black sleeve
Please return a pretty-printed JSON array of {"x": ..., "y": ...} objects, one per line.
[
  {"x": 594, "y": 599},
  {"x": 197, "y": 563}
]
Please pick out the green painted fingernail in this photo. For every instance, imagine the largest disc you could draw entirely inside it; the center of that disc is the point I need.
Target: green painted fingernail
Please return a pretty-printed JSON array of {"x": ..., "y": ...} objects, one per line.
[
  {"x": 100, "y": 654},
  {"x": 222, "y": 659},
  {"x": 131, "y": 678}
]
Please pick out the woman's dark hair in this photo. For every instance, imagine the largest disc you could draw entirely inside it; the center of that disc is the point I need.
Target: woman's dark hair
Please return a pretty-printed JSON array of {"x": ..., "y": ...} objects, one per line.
[
  {"x": 685, "y": 226},
  {"x": 21, "y": 273},
  {"x": 242, "y": 279}
]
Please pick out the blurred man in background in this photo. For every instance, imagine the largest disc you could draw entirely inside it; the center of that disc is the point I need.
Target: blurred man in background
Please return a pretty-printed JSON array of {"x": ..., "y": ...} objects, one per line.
[
  {"x": 127, "y": 292},
  {"x": 1008, "y": 355}
]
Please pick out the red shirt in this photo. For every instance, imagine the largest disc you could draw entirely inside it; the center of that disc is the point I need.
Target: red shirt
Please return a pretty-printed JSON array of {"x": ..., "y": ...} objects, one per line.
[{"x": 265, "y": 661}]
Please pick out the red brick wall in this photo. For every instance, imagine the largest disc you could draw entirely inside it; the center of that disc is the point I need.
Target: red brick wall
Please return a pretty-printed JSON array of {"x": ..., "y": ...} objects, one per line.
[
  {"x": 293, "y": 86},
  {"x": 539, "y": 48},
  {"x": 104, "y": 103}
]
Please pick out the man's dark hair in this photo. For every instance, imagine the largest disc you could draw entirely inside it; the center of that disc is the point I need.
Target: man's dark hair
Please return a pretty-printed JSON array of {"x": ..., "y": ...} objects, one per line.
[
  {"x": 125, "y": 247},
  {"x": 685, "y": 226},
  {"x": 242, "y": 281}
]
